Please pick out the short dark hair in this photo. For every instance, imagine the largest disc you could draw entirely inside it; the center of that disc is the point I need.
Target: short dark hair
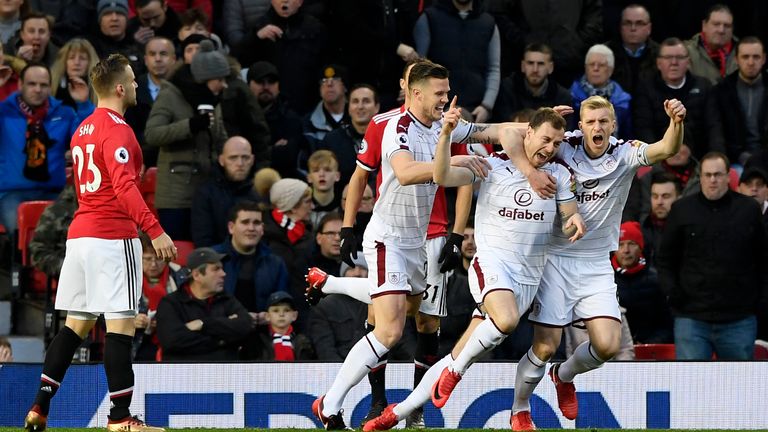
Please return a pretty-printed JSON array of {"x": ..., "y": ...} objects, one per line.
[
  {"x": 107, "y": 73},
  {"x": 424, "y": 70},
  {"x": 143, "y": 3},
  {"x": 547, "y": 115},
  {"x": 369, "y": 87},
  {"x": 146, "y": 242},
  {"x": 245, "y": 205},
  {"x": 160, "y": 38},
  {"x": 538, "y": 47},
  {"x": 671, "y": 41},
  {"x": 717, "y": 7},
  {"x": 193, "y": 15},
  {"x": 329, "y": 217},
  {"x": 34, "y": 64},
  {"x": 661, "y": 177},
  {"x": 33, "y": 14},
  {"x": 716, "y": 155},
  {"x": 749, "y": 40}
]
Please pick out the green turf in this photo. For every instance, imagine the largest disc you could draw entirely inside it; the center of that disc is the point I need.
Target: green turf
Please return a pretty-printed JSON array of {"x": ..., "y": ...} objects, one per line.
[{"x": 2, "y": 429}]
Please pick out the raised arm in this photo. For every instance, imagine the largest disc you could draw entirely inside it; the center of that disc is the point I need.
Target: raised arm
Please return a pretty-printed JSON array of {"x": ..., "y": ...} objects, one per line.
[
  {"x": 670, "y": 143},
  {"x": 444, "y": 174}
]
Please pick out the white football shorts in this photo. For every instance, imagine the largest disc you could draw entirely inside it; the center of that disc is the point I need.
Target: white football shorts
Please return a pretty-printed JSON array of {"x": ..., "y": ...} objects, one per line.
[
  {"x": 393, "y": 270},
  {"x": 489, "y": 272},
  {"x": 574, "y": 290},
  {"x": 100, "y": 276}
]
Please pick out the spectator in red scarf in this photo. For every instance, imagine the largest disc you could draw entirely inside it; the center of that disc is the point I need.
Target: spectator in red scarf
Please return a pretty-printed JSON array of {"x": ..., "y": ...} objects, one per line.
[
  {"x": 160, "y": 278},
  {"x": 712, "y": 50},
  {"x": 638, "y": 289},
  {"x": 288, "y": 232},
  {"x": 278, "y": 339}
]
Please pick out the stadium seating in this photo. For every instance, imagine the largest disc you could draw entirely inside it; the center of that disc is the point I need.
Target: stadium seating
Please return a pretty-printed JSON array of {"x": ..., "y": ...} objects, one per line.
[
  {"x": 32, "y": 280},
  {"x": 655, "y": 351},
  {"x": 183, "y": 249}
]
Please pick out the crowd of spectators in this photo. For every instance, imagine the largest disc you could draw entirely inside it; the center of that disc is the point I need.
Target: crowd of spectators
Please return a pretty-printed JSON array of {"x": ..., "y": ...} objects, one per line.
[{"x": 252, "y": 112}]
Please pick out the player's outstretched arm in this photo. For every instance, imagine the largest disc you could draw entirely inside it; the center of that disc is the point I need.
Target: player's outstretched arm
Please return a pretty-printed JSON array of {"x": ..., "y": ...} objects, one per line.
[
  {"x": 672, "y": 140},
  {"x": 573, "y": 224},
  {"x": 164, "y": 247}
]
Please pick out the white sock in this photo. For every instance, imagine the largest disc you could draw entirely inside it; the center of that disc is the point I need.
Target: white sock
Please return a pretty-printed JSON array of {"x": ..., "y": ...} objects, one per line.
[
  {"x": 530, "y": 370},
  {"x": 357, "y": 288},
  {"x": 423, "y": 392},
  {"x": 584, "y": 359},
  {"x": 485, "y": 338},
  {"x": 363, "y": 357}
]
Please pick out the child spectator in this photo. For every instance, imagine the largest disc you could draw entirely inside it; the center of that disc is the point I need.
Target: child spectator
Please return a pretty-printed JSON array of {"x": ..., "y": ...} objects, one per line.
[
  {"x": 323, "y": 175},
  {"x": 278, "y": 340}
]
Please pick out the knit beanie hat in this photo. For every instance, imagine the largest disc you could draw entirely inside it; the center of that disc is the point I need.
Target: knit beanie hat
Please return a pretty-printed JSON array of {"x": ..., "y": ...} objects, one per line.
[
  {"x": 286, "y": 193},
  {"x": 631, "y": 231},
  {"x": 106, "y": 6},
  {"x": 208, "y": 63}
]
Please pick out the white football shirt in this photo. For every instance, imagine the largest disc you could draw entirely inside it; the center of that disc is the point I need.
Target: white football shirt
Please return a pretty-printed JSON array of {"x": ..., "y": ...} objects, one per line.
[
  {"x": 401, "y": 213},
  {"x": 602, "y": 186},
  {"x": 512, "y": 221}
]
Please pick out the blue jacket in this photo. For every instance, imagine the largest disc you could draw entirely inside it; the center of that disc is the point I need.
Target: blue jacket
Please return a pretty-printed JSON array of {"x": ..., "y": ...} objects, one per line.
[
  {"x": 269, "y": 273},
  {"x": 620, "y": 100},
  {"x": 60, "y": 124}
]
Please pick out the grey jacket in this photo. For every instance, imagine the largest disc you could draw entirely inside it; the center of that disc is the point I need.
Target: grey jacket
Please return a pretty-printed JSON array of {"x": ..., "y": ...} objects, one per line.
[{"x": 702, "y": 64}]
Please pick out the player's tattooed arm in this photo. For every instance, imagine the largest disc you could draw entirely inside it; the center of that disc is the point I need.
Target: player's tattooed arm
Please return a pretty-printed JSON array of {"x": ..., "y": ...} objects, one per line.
[
  {"x": 489, "y": 133},
  {"x": 572, "y": 223}
]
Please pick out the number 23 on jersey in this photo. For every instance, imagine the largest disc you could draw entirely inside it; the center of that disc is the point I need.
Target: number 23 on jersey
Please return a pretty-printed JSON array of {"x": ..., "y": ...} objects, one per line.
[{"x": 81, "y": 159}]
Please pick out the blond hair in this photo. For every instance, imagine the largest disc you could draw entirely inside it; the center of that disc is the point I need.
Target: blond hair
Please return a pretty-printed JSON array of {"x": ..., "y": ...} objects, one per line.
[
  {"x": 263, "y": 181},
  {"x": 323, "y": 158},
  {"x": 596, "y": 103},
  {"x": 59, "y": 67}
]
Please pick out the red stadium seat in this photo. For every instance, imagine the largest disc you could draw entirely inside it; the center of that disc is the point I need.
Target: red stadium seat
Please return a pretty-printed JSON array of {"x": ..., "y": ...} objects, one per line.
[
  {"x": 761, "y": 350},
  {"x": 183, "y": 250},
  {"x": 733, "y": 179},
  {"x": 28, "y": 214},
  {"x": 643, "y": 170},
  {"x": 655, "y": 352}
]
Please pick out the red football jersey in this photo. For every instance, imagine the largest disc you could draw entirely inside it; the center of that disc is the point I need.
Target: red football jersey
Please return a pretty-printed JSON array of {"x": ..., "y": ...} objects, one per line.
[
  {"x": 369, "y": 158},
  {"x": 107, "y": 161}
]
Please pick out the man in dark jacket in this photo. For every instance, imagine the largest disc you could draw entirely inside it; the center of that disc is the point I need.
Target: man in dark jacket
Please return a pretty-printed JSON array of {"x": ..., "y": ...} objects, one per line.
[
  {"x": 635, "y": 51},
  {"x": 638, "y": 289},
  {"x": 738, "y": 108},
  {"x": 531, "y": 87},
  {"x": 285, "y": 125},
  {"x": 461, "y": 36},
  {"x": 293, "y": 41},
  {"x": 254, "y": 273},
  {"x": 712, "y": 267},
  {"x": 201, "y": 322},
  {"x": 213, "y": 200},
  {"x": 672, "y": 81}
]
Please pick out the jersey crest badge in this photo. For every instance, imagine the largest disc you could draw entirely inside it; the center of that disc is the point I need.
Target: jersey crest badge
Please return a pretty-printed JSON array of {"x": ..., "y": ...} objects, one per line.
[{"x": 121, "y": 155}]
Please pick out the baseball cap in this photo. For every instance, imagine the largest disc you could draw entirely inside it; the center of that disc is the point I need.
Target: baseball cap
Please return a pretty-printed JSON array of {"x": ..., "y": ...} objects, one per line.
[
  {"x": 278, "y": 297},
  {"x": 201, "y": 256},
  {"x": 262, "y": 69},
  {"x": 753, "y": 172}
]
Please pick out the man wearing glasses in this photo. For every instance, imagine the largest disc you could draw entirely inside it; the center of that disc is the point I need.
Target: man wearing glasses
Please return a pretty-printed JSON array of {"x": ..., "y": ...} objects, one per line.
[
  {"x": 327, "y": 256},
  {"x": 714, "y": 274},
  {"x": 635, "y": 51}
]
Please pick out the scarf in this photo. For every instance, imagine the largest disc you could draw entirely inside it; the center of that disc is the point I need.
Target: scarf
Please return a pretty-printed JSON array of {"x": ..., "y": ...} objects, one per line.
[
  {"x": 630, "y": 270},
  {"x": 37, "y": 141},
  {"x": 155, "y": 293},
  {"x": 293, "y": 229},
  {"x": 605, "y": 91},
  {"x": 718, "y": 55},
  {"x": 282, "y": 344},
  {"x": 683, "y": 174}
]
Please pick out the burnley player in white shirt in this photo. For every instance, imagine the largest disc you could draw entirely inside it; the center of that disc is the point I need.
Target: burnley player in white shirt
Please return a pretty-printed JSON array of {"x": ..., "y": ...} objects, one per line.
[
  {"x": 578, "y": 283},
  {"x": 101, "y": 273},
  {"x": 513, "y": 230},
  {"x": 393, "y": 243}
]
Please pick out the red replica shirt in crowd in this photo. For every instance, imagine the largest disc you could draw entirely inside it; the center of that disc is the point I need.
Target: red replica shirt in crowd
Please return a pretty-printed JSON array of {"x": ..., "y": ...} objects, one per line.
[
  {"x": 369, "y": 158},
  {"x": 107, "y": 161}
]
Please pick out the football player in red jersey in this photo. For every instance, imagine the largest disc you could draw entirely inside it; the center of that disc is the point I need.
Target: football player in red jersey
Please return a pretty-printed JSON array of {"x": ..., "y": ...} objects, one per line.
[{"x": 102, "y": 271}]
